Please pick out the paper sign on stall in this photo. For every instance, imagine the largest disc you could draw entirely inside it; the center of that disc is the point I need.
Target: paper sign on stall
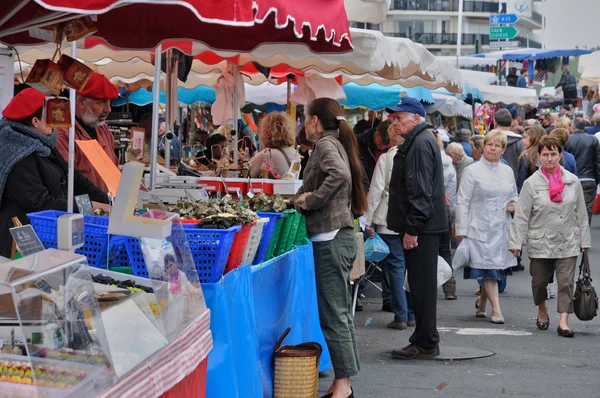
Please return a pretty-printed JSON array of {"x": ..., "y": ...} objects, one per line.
[{"x": 107, "y": 170}]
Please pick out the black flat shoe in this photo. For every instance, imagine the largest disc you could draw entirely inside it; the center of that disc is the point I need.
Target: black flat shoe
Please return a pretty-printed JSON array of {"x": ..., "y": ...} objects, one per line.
[
  {"x": 331, "y": 394},
  {"x": 542, "y": 325},
  {"x": 565, "y": 332}
]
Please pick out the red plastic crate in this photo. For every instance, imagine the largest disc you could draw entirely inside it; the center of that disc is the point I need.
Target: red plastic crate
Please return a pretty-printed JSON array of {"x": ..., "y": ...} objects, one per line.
[{"x": 238, "y": 247}]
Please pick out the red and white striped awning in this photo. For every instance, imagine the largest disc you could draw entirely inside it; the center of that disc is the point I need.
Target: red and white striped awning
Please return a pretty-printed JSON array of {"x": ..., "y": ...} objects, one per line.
[{"x": 234, "y": 25}]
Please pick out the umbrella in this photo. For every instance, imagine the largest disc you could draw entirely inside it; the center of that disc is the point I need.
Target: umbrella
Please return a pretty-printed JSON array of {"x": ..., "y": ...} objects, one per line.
[{"x": 449, "y": 106}]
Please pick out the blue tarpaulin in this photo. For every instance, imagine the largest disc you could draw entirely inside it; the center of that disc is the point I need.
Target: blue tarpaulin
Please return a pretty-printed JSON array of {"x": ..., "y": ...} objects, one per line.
[
  {"x": 533, "y": 54},
  {"x": 373, "y": 96},
  {"x": 250, "y": 309}
]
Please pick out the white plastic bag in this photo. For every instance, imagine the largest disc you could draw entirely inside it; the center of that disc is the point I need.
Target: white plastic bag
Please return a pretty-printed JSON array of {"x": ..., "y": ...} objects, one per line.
[
  {"x": 461, "y": 255},
  {"x": 444, "y": 273}
]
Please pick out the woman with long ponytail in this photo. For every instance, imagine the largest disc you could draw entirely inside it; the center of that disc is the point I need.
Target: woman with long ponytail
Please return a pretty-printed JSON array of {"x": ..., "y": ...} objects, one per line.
[{"x": 332, "y": 191}]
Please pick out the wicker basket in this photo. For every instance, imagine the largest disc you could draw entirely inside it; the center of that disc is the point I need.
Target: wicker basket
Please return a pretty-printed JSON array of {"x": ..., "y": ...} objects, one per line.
[{"x": 296, "y": 373}]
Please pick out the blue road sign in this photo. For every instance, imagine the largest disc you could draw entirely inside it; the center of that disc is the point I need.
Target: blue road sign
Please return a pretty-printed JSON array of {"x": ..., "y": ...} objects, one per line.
[{"x": 498, "y": 19}]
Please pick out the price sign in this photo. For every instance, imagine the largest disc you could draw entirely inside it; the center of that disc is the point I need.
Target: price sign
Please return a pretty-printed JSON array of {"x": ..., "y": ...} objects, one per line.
[
  {"x": 27, "y": 240},
  {"x": 84, "y": 204}
]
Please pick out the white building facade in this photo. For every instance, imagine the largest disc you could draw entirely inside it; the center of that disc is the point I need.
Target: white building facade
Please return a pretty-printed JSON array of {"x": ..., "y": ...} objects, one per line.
[{"x": 434, "y": 23}]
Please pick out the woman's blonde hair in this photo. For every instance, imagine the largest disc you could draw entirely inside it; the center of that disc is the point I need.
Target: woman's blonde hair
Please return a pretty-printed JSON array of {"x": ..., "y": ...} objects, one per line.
[
  {"x": 496, "y": 134},
  {"x": 277, "y": 130},
  {"x": 562, "y": 123}
]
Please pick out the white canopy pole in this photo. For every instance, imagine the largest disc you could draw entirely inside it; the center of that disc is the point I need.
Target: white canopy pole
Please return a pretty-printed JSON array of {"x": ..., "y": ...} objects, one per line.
[
  {"x": 155, "y": 108},
  {"x": 71, "y": 173},
  {"x": 169, "y": 106},
  {"x": 236, "y": 111}
]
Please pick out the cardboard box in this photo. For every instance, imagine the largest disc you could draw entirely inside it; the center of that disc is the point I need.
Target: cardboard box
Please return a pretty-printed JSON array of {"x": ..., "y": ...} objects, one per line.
[
  {"x": 46, "y": 76},
  {"x": 76, "y": 74}
]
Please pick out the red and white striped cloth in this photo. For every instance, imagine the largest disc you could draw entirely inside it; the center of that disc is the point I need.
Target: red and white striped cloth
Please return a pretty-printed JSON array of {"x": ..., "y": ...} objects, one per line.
[{"x": 167, "y": 367}]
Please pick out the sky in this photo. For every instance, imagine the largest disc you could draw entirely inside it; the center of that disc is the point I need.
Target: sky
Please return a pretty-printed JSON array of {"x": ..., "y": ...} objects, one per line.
[{"x": 572, "y": 22}]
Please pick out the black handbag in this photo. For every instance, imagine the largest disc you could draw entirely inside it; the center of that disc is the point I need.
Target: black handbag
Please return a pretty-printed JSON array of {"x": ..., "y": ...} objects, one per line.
[{"x": 585, "y": 299}]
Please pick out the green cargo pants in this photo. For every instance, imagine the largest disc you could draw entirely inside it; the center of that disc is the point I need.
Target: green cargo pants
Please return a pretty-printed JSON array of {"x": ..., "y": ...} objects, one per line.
[{"x": 333, "y": 263}]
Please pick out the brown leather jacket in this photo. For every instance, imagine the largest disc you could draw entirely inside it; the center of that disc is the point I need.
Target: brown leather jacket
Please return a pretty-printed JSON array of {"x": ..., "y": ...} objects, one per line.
[{"x": 327, "y": 177}]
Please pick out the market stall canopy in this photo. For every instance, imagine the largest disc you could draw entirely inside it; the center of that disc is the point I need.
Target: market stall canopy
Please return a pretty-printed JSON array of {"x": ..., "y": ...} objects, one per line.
[
  {"x": 468, "y": 60},
  {"x": 533, "y": 54},
  {"x": 472, "y": 80},
  {"x": 589, "y": 69},
  {"x": 449, "y": 106},
  {"x": 236, "y": 25},
  {"x": 371, "y": 97},
  {"x": 368, "y": 11},
  {"x": 510, "y": 95},
  {"x": 375, "y": 59}
]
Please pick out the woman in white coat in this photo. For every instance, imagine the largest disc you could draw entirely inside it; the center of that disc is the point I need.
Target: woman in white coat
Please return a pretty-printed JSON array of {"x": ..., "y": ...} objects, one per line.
[
  {"x": 487, "y": 194},
  {"x": 393, "y": 266},
  {"x": 551, "y": 216}
]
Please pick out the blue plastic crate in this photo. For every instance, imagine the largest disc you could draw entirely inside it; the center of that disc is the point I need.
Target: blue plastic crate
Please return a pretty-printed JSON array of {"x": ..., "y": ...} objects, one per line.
[
  {"x": 209, "y": 248},
  {"x": 95, "y": 234},
  {"x": 45, "y": 223},
  {"x": 267, "y": 235}
]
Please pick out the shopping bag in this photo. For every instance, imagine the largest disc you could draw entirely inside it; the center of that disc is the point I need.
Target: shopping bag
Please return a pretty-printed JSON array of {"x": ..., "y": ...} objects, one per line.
[
  {"x": 585, "y": 300},
  {"x": 376, "y": 249},
  {"x": 461, "y": 256},
  {"x": 444, "y": 273}
]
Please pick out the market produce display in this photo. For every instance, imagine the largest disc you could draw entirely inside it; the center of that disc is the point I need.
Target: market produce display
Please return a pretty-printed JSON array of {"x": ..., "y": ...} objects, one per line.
[
  {"x": 45, "y": 375},
  {"x": 215, "y": 213},
  {"x": 66, "y": 354},
  {"x": 269, "y": 204}
]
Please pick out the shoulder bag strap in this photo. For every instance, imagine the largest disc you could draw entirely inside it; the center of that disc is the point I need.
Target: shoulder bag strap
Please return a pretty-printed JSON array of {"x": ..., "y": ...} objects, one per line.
[
  {"x": 287, "y": 159},
  {"x": 586, "y": 265}
]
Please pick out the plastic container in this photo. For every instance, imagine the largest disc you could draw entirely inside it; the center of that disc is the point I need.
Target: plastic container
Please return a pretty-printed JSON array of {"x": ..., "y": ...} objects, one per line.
[
  {"x": 238, "y": 247},
  {"x": 288, "y": 232},
  {"x": 44, "y": 223},
  {"x": 301, "y": 236},
  {"x": 268, "y": 236},
  {"x": 273, "y": 247},
  {"x": 254, "y": 240},
  {"x": 95, "y": 232},
  {"x": 210, "y": 250}
]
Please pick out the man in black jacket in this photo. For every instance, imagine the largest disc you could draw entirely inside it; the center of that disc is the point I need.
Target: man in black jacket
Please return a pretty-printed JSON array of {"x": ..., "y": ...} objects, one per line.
[
  {"x": 371, "y": 145},
  {"x": 586, "y": 150},
  {"x": 417, "y": 211}
]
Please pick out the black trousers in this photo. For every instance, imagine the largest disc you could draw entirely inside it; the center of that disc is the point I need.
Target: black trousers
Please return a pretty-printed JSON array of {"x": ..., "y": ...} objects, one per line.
[{"x": 421, "y": 264}]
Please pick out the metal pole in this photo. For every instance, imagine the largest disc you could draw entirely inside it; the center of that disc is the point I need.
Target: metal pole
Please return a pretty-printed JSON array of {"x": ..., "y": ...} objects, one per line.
[
  {"x": 236, "y": 111},
  {"x": 169, "y": 106},
  {"x": 459, "y": 38},
  {"x": 155, "y": 107},
  {"x": 71, "y": 169}
]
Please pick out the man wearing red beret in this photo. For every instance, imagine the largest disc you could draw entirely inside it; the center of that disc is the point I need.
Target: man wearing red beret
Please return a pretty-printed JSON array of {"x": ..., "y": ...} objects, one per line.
[{"x": 91, "y": 110}]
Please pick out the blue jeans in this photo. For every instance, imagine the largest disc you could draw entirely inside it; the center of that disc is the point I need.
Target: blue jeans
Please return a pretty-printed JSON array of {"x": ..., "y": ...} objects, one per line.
[{"x": 393, "y": 270}]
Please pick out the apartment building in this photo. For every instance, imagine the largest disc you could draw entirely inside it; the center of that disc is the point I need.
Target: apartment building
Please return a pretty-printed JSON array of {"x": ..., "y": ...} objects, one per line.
[{"x": 434, "y": 23}]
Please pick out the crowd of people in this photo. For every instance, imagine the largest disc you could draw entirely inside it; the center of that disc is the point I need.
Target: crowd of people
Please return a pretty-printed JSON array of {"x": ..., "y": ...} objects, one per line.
[{"x": 523, "y": 184}]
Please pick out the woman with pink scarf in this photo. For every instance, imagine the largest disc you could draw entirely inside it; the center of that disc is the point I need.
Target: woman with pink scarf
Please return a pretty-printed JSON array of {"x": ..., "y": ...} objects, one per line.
[{"x": 551, "y": 219}]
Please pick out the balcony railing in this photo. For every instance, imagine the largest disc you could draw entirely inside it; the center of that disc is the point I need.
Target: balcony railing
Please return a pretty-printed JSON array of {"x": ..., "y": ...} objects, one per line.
[
  {"x": 452, "y": 6},
  {"x": 451, "y": 39},
  {"x": 446, "y": 5}
]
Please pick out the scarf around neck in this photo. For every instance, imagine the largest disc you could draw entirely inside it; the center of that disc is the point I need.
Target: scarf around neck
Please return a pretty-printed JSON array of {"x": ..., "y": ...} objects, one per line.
[
  {"x": 17, "y": 141},
  {"x": 556, "y": 186}
]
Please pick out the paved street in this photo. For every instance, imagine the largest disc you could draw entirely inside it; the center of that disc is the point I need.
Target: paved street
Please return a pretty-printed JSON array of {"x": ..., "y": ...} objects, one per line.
[{"x": 527, "y": 362}]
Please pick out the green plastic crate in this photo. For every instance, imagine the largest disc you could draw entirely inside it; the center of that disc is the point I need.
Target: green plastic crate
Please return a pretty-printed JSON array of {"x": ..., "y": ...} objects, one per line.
[
  {"x": 275, "y": 238},
  {"x": 289, "y": 232},
  {"x": 301, "y": 236}
]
